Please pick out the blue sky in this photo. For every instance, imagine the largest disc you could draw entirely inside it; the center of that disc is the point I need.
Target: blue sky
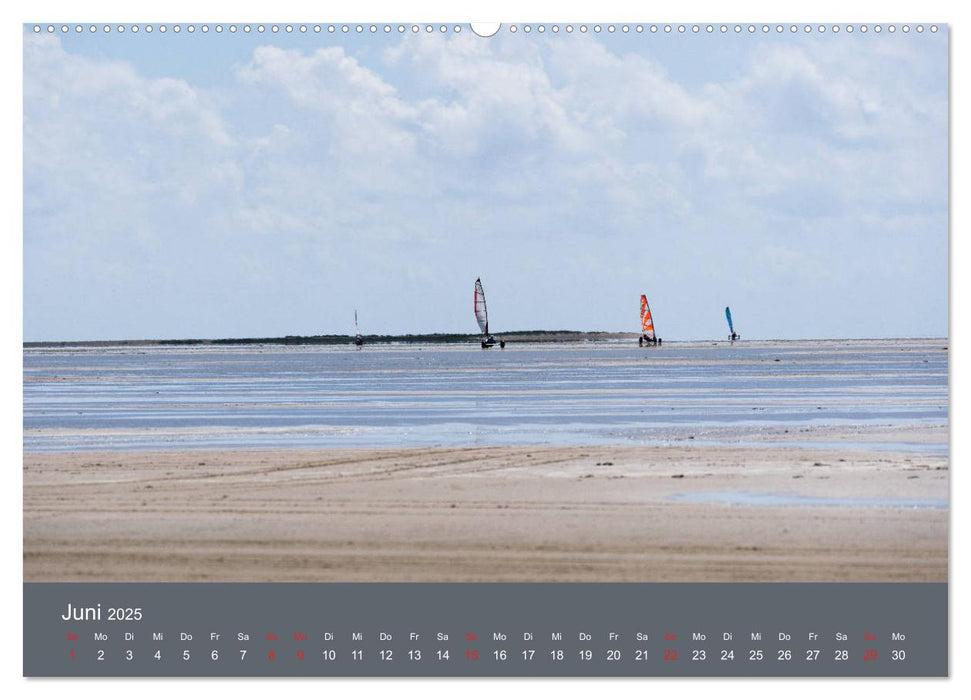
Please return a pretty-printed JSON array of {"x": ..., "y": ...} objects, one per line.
[{"x": 230, "y": 185}]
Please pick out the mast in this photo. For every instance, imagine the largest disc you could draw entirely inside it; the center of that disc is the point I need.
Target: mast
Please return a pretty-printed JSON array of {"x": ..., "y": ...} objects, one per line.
[{"x": 358, "y": 340}]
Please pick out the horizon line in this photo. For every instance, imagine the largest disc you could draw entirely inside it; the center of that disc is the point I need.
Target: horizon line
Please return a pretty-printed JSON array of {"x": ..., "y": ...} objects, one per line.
[{"x": 337, "y": 338}]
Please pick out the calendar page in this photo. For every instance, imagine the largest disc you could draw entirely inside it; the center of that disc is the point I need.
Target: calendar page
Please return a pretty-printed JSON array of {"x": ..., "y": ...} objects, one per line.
[{"x": 541, "y": 349}]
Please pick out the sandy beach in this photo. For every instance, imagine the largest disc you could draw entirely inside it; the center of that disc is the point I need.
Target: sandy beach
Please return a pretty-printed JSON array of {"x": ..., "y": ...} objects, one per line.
[{"x": 604, "y": 513}]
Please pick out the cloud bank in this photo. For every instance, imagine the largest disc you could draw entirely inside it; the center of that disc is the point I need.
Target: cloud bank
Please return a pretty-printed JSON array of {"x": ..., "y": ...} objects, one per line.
[{"x": 803, "y": 180}]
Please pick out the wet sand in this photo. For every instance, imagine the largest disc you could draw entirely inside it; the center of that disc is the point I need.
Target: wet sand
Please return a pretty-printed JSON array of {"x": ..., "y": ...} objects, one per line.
[{"x": 487, "y": 514}]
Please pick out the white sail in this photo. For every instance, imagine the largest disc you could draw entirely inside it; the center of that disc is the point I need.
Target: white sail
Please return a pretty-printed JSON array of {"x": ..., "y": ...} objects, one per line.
[{"x": 481, "y": 315}]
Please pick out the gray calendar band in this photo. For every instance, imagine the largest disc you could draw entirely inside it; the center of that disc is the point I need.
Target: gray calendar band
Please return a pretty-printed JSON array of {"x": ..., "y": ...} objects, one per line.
[{"x": 890, "y": 629}]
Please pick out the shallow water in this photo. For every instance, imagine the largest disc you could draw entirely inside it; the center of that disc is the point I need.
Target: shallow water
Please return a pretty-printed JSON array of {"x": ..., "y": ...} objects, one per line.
[
  {"x": 423, "y": 395},
  {"x": 760, "y": 498}
]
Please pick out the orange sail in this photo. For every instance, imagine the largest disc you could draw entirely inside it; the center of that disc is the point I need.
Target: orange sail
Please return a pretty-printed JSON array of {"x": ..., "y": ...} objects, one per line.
[{"x": 647, "y": 323}]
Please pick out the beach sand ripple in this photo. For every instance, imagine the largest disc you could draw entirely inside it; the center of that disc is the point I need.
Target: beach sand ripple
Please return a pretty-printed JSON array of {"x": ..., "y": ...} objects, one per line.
[{"x": 526, "y": 513}]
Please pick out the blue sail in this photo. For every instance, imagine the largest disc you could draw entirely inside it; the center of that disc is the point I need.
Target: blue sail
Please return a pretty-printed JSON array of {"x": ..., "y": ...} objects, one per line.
[{"x": 728, "y": 315}]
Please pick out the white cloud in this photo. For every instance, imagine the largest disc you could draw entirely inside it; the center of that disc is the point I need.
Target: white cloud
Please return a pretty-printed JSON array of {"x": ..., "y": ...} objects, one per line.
[
  {"x": 302, "y": 176},
  {"x": 368, "y": 117}
]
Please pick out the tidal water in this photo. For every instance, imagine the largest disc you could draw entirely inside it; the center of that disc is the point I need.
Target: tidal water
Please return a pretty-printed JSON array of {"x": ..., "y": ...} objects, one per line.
[
  {"x": 760, "y": 498},
  {"x": 786, "y": 393}
]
